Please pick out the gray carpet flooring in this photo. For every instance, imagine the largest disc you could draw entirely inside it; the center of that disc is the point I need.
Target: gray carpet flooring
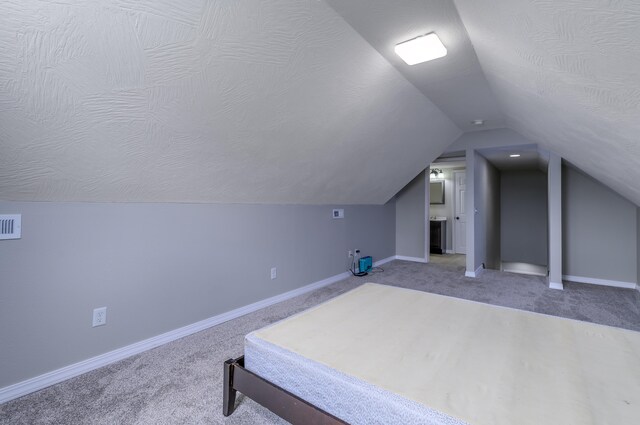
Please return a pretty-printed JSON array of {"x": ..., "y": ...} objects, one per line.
[
  {"x": 448, "y": 259},
  {"x": 181, "y": 382}
]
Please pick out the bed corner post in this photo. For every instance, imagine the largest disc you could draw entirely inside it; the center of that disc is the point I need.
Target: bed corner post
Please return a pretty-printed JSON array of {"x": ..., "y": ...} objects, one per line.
[{"x": 229, "y": 393}]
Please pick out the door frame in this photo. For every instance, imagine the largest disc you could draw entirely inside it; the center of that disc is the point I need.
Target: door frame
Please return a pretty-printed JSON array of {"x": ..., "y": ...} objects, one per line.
[
  {"x": 454, "y": 239},
  {"x": 427, "y": 212}
]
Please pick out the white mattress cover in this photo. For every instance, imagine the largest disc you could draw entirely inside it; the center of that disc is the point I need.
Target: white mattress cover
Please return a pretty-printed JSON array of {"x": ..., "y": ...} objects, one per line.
[
  {"x": 351, "y": 399},
  {"x": 472, "y": 362}
]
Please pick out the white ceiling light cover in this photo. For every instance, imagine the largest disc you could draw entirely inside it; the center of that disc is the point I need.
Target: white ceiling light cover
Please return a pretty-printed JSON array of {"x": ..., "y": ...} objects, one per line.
[{"x": 421, "y": 49}]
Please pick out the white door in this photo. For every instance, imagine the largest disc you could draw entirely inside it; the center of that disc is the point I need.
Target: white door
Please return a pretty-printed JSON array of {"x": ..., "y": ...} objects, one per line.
[{"x": 460, "y": 213}]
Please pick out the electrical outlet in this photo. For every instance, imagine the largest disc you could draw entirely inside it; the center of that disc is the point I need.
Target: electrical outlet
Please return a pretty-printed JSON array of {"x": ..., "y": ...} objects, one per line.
[
  {"x": 99, "y": 316},
  {"x": 274, "y": 273},
  {"x": 350, "y": 253}
]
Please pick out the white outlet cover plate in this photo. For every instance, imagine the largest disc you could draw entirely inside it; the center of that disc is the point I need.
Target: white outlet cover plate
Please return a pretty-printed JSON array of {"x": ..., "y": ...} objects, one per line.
[
  {"x": 100, "y": 316},
  {"x": 338, "y": 213},
  {"x": 274, "y": 273}
]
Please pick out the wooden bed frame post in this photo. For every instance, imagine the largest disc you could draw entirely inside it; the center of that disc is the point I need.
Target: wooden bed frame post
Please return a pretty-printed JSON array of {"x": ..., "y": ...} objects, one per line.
[
  {"x": 281, "y": 402},
  {"x": 229, "y": 393}
]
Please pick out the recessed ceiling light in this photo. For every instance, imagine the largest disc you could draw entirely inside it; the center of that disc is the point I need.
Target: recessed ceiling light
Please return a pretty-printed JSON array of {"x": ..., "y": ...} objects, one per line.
[
  {"x": 477, "y": 122},
  {"x": 421, "y": 49},
  {"x": 514, "y": 155}
]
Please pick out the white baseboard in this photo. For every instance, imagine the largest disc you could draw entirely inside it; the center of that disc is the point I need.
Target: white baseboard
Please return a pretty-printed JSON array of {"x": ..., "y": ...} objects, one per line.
[
  {"x": 556, "y": 285},
  {"x": 414, "y": 259},
  {"x": 50, "y": 378},
  {"x": 476, "y": 273},
  {"x": 384, "y": 260},
  {"x": 603, "y": 282},
  {"x": 450, "y": 251}
]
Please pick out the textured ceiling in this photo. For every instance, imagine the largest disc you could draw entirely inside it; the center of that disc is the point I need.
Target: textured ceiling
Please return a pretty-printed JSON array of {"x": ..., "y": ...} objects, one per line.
[
  {"x": 531, "y": 158},
  {"x": 455, "y": 83},
  {"x": 567, "y": 75},
  {"x": 291, "y": 101},
  {"x": 204, "y": 101}
]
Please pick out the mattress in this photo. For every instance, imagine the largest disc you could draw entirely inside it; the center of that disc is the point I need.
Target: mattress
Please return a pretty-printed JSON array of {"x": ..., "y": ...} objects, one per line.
[{"x": 381, "y": 354}]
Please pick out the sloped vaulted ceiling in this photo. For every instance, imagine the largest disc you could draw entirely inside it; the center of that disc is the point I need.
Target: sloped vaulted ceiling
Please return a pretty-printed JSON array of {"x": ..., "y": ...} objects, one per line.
[
  {"x": 276, "y": 101},
  {"x": 455, "y": 83},
  {"x": 567, "y": 75},
  {"x": 291, "y": 101}
]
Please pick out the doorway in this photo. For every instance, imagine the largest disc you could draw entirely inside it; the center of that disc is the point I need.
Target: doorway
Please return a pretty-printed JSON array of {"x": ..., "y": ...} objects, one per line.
[
  {"x": 447, "y": 213},
  {"x": 512, "y": 198}
]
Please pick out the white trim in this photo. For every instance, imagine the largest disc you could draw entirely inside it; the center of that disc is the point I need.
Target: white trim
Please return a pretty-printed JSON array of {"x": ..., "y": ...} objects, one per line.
[
  {"x": 603, "y": 282},
  {"x": 50, "y": 378},
  {"x": 453, "y": 212},
  {"x": 414, "y": 259},
  {"x": 427, "y": 214},
  {"x": 384, "y": 260},
  {"x": 450, "y": 251},
  {"x": 475, "y": 273},
  {"x": 556, "y": 285}
]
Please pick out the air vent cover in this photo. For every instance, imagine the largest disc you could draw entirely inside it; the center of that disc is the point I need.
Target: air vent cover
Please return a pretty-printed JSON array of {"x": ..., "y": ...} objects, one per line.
[{"x": 10, "y": 226}]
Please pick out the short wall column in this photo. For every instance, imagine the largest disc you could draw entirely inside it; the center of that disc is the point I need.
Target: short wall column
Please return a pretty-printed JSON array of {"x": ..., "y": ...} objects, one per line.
[
  {"x": 554, "y": 179},
  {"x": 470, "y": 211}
]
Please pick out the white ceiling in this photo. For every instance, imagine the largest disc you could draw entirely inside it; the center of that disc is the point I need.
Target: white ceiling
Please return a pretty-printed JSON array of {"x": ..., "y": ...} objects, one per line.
[
  {"x": 531, "y": 158},
  {"x": 302, "y": 101},
  {"x": 567, "y": 75},
  {"x": 454, "y": 83},
  {"x": 204, "y": 101}
]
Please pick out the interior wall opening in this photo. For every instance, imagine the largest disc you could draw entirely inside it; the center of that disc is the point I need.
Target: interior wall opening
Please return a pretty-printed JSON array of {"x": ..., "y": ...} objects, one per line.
[
  {"x": 516, "y": 209},
  {"x": 447, "y": 211}
]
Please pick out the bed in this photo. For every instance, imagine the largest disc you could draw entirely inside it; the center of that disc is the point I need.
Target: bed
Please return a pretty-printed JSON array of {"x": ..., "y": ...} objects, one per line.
[{"x": 380, "y": 354}]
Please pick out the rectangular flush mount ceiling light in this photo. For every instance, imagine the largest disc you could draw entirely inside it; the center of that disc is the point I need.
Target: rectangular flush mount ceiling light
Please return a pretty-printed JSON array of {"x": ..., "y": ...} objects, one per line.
[{"x": 421, "y": 49}]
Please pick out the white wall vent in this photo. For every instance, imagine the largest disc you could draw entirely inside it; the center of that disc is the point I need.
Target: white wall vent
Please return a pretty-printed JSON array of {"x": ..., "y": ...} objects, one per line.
[{"x": 10, "y": 226}]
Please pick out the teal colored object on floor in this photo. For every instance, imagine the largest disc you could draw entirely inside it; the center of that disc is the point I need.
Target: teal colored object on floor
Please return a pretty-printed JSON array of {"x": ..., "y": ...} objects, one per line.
[{"x": 365, "y": 264}]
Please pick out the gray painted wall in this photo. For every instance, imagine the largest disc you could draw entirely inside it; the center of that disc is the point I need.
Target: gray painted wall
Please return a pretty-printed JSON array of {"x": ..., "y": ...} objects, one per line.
[
  {"x": 523, "y": 208},
  {"x": 638, "y": 246},
  {"x": 492, "y": 218},
  {"x": 158, "y": 267},
  {"x": 599, "y": 230},
  {"x": 410, "y": 218},
  {"x": 487, "y": 219}
]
